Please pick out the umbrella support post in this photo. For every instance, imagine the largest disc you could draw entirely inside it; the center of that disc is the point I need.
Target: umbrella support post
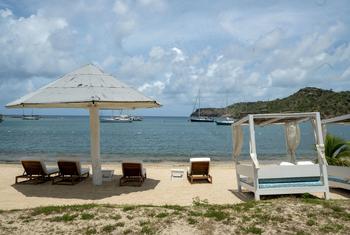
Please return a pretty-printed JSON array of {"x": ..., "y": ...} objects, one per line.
[{"x": 95, "y": 145}]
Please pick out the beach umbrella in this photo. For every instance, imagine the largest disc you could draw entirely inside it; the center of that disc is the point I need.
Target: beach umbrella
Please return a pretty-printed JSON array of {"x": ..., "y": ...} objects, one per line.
[{"x": 89, "y": 88}]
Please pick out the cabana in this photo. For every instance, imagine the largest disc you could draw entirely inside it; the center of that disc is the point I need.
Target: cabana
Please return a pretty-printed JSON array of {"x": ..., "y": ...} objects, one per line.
[
  {"x": 289, "y": 178},
  {"x": 338, "y": 176}
]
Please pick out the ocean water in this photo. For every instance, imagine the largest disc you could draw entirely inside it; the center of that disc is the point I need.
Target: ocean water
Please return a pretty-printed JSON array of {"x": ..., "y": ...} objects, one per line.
[{"x": 153, "y": 139}]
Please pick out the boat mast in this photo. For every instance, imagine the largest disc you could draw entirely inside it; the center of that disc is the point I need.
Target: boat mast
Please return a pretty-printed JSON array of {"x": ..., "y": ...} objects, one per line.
[{"x": 199, "y": 103}]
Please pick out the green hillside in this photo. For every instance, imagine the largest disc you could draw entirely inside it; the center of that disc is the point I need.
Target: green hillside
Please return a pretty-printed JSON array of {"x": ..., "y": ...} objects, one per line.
[{"x": 309, "y": 99}]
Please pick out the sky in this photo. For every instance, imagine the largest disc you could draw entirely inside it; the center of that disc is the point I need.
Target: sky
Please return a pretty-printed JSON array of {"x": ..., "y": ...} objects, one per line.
[{"x": 232, "y": 51}]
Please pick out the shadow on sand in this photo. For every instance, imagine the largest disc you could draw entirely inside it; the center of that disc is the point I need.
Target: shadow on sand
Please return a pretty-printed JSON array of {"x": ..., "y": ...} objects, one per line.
[
  {"x": 83, "y": 190},
  {"x": 244, "y": 196}
]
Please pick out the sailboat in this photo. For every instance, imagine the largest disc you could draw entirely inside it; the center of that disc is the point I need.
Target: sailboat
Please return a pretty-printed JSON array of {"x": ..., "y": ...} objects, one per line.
[
  {"x": 226, "y": 121},
  {"x": 118, "y": 119},
  {"x": 200, "y": 118},
  {"x": 30, "y": 117}
]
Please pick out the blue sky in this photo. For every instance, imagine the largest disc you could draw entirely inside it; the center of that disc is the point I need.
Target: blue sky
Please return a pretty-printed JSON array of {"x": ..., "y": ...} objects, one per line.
[{"x": 243, "y": 50}]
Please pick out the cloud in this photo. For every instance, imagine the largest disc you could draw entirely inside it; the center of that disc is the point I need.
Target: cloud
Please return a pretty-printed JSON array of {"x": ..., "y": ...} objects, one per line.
[
  {"x": 29, "y": 47},
  {"x": 171, "y": 49}
]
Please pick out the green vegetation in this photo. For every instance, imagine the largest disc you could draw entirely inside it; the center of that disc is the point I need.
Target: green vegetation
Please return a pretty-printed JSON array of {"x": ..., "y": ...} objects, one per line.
[
  {"x": 63, "y": 218},
  {"x": 302, "y": 215},
  {"x": 86, "y": 216},
  {"x": 162, "y": 215},
  {"x": 309, "y": 99},
  {"x": 337, "y": 151}
]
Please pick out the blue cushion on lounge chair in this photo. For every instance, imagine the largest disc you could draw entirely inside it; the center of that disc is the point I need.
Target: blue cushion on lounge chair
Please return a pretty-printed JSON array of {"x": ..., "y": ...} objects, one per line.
[
  {"x": 286, "y": 182},
  {"x": 338, "y": 179}
]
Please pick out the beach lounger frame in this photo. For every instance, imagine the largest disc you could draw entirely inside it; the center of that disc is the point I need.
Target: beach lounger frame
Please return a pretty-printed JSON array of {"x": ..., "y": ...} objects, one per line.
[
  {"x": 70, "y": 173},
  {"x": 132, "y": 172},
  {"x": 199, "y": 170},
  {"x": 279, "y": 179},
  {"x": 338, "y": 176},
  {"x": 35, "y": 172}
]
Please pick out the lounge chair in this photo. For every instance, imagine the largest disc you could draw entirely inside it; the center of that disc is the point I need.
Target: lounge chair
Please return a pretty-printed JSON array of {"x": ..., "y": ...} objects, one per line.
[
  {"x": 199, "y": 170},
  {"x": 132, "y": 172},
  {"x": 35, "y": 171},
  {"x": 70, "y": 172}
]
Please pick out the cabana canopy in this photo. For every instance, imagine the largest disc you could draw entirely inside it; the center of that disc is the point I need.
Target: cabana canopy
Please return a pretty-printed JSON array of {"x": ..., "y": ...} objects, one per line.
[
  {"x": 278, "y": 179},
  {"x": 344, "y": 119},
  {"x": 87, "y": 87}
]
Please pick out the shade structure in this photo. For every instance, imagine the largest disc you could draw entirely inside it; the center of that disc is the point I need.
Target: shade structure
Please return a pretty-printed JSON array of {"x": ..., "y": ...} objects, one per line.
[{"x": 90, "y": 88}]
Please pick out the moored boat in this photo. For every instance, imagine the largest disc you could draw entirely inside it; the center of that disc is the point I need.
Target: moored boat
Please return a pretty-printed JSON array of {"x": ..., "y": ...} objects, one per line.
[
  {"x": 199, "y": 118},
  {"x": 227, "y": 121},
  {"x": 30, "y": 117},
  {"x": 118, "y": 119}
]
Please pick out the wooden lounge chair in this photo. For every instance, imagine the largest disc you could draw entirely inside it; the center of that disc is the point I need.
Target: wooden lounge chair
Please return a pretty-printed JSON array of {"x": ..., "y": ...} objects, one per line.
[
  {"x": 35, "y": 171},
  {"x": 199, "y": 170},
  {"x": 70, "y": 172},
  {"x": 132, "y": 172}
]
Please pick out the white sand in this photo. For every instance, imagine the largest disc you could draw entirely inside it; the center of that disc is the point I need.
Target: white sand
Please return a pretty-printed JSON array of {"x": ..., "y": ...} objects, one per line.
[{"x": 158, "y": 189}]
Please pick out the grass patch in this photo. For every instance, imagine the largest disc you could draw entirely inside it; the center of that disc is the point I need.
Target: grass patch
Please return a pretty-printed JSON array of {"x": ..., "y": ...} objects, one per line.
[
  {"x": 59, "y": 209},
  {"x": 191, "y": 220},
  {"x": 63, "y": 218},
  {"x": 129, "y": 208},
  {"x": 147, "y": 229},
  {"x": 194, "y": 213},
  {"x": 90, "y": 231},
  {"x": 218, "y": 215},
  {"x": 162, "y": 215},
  {"x": 331, "y": 228},
  {"x": 252, "y": 229},
  {"x": 108, "y": 228},
  {"x": 174, "y": 207},
  {"x": 127, "y": 231},
  {"x": 120, "y": 224},
  {"x": 311, "y": 222},
  {"x": 86, "y": 216},
  {"x": 116, "y": 217}
]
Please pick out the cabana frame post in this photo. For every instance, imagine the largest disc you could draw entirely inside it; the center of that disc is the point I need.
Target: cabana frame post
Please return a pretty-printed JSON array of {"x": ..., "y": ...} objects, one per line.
[{"x": 280, "y": 179}]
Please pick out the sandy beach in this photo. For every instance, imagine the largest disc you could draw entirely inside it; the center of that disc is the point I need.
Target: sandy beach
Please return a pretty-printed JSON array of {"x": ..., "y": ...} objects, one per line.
[{"x": 158, "y": 189}]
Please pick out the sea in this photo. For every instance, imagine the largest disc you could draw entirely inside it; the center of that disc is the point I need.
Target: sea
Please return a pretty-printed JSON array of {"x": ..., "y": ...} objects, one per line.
[{"x": 155, "y": 139}]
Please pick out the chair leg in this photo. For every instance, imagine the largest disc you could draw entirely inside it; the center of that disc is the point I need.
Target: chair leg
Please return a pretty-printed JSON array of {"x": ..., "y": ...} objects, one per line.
[{"x": 257, "y": 196}]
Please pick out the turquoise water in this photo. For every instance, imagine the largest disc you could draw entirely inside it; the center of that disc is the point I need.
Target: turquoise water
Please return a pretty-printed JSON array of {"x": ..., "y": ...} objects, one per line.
[{"x": 153, "y": 139}]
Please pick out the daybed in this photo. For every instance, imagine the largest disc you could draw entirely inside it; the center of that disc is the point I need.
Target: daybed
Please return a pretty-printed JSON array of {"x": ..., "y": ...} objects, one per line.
[{"x": 291, "y": 178}]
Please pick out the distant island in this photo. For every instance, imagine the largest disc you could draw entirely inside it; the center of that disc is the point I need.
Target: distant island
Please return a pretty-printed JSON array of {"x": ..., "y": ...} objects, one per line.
[{"x": 309, "y": 99}]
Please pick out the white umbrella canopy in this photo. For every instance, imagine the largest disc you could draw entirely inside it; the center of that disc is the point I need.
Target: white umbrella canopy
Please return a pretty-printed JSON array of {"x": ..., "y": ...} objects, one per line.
[{"x": 87, "y": 87}]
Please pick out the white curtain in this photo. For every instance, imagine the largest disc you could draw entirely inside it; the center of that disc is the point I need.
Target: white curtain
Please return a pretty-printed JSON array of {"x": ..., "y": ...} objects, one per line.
[
  {"x": 292, "y": 133},
  {"x": 238, "y": 138}
]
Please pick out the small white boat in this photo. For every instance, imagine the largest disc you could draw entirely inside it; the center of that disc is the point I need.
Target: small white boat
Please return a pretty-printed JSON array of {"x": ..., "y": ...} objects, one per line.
[
  {"x": 118, "y": 119},
  {"x": 30, "y": 117},
  {"x": 136, "y": 118},
  {"x": 227, "y": 121}
]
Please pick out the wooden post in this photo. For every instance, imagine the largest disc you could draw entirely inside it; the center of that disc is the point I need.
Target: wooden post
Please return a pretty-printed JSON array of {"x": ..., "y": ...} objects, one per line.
[
  {"x": 320, "y": 141},
  {"x": 239, "y": 187},
  {"x": 254, "y": 157},
  {"x": 95, "y": 144}
]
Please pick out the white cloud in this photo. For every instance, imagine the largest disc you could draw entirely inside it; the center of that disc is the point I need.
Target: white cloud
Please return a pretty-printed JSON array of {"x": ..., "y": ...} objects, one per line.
[
  {"x": 179, "y": 56},
  {"x": 345, "y": 74},
  {"x": 29, "y": 48}
]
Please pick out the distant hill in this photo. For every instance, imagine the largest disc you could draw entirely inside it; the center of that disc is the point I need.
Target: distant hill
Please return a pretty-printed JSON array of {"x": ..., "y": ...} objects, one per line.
[{"x": 308, "y": 99}]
